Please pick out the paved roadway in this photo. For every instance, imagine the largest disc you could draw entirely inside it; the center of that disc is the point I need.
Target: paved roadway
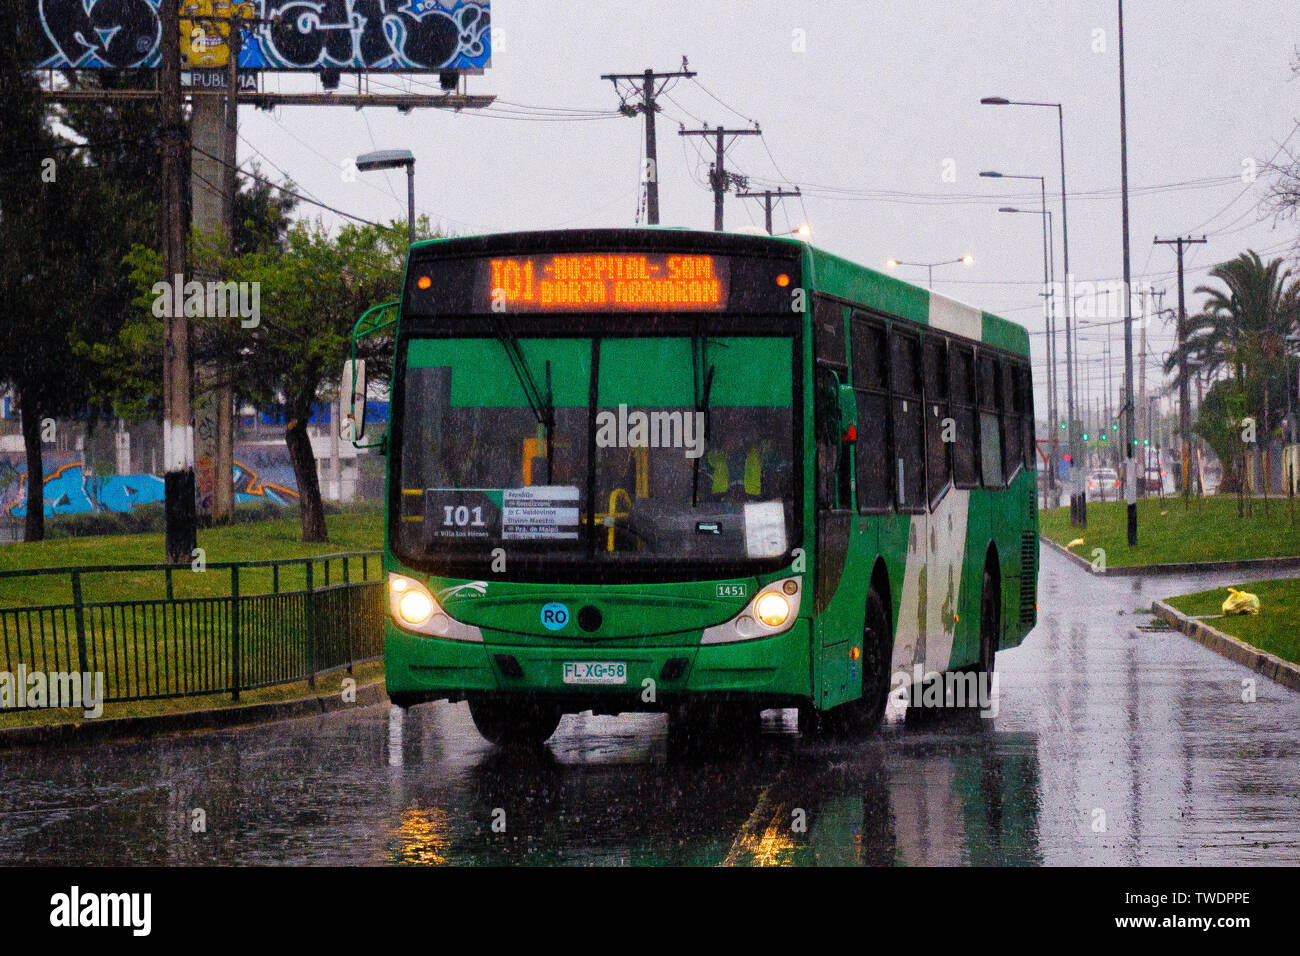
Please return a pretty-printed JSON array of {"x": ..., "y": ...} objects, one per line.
[{"x": 1112, "y": 745}]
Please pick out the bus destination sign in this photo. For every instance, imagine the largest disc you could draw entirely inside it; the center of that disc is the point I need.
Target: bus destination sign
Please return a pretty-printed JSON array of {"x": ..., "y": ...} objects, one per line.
[{"x": 614, "y": 282}]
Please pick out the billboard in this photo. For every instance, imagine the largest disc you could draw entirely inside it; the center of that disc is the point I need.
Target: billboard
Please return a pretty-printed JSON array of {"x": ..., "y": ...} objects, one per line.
[{"x": 366, "y": 35}]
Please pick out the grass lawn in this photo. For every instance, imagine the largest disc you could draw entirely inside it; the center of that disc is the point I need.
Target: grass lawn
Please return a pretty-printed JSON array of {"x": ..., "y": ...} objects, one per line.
[
  {"x": 1208, "y": 531},
  {"x": 325, "y": 684},
  {"x": 254, "y": 541},
  {"x": 1276, "y": 628}
]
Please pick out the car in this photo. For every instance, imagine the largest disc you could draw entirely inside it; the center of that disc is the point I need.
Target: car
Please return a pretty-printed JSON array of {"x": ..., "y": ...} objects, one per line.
[{"x": 1103, "y": 484}]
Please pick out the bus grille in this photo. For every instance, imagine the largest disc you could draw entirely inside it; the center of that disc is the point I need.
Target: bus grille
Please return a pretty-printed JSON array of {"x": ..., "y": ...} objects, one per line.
[{"x": 1028, "y": 577}]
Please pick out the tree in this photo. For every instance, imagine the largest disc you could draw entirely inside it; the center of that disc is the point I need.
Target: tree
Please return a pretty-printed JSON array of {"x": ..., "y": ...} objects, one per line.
[
  {"x": 129, "y": 358},
  {"x": 311, "y": 295},
  {"x": 1242, "y": 328},
  {"x": 53, "y": 222}
]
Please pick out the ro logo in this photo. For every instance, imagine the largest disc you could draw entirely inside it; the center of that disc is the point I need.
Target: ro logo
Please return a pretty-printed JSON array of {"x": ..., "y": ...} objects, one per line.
[{"x": 555, "y": 616}]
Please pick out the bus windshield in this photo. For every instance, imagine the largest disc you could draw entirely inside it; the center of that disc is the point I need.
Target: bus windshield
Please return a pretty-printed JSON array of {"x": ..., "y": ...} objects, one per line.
[{"x": 609, "y": 452}]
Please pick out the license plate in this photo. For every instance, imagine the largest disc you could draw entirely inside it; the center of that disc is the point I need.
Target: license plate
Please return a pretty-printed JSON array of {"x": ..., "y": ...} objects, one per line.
[{"x": 594, "y": 672}]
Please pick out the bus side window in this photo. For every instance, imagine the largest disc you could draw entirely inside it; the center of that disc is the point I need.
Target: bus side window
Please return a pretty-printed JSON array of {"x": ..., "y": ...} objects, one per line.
[
  {"x": 1026, "y": 385},
  {"x": 937, "y": 466},
  {"x": 828, "y": 332},
  {"x": 871, "y": 382},
  {"x": 990, "y": 432},
  {"x": 1009, "y": 405},
  {"x": 834, "y": 488},
  {"x": 908, "y": 423},
  {"x": 834, "y": 470},
  {"x": 961, "y": 381}
]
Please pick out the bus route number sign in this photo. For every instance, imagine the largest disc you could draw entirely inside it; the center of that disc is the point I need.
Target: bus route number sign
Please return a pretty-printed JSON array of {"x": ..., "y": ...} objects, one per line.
[
  {"x": 455, "y": 513},
  {"x": 613, "y": 282}
]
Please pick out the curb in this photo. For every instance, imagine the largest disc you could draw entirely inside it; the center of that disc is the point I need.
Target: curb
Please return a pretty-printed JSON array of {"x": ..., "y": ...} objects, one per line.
[
  {"x": 1234, "y": 649},
  {"x": 1192, "y": 567},
  {"x": 124, "y": 727}
]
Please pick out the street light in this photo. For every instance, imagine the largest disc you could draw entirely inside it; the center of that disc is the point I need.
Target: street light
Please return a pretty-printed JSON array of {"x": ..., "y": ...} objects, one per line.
[
  {"x": 804, "y": 232},
  {"x": 392, "y": 159},
  {"x": 1048, "y": 314},
  {"x": 931, "y": 266},
  {"x": 1065, "y": 241}
]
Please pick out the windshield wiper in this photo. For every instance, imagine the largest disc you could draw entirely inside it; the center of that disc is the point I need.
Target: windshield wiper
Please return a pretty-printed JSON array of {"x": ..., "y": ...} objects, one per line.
[{"x": 542, "y": 406}]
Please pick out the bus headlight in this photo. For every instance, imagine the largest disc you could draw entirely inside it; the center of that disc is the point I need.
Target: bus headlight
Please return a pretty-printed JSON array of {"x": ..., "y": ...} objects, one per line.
[
  {"x": 413, "y": 608},
  {"x": 772, "y": 608},
  {"x": 772, "y": 611}
]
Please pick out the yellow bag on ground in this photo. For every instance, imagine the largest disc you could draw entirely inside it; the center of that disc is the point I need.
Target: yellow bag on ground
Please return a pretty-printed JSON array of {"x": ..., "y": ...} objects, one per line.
[{"x": 1241, "y": 602}]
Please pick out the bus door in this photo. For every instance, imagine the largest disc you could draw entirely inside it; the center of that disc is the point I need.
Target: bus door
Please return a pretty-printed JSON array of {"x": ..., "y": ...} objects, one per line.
[
  {"x": 945, "y": 542},
  {"x": 907, "y": 474},
  {"x": 834, "y": 626}
]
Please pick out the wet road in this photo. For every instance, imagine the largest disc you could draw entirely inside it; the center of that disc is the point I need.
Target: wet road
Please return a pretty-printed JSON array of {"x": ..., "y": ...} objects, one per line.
[{"x": 1112, "y": 745}]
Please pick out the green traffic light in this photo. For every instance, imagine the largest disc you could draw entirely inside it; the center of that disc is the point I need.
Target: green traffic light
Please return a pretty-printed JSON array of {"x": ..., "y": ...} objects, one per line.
[
  {"x": 1062, "y": 426},
  {"x": 1085, "y": 436}
]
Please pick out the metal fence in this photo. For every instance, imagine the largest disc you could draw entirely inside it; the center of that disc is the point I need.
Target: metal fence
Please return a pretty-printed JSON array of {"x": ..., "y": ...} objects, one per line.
[{"x": 227, "y": 628}]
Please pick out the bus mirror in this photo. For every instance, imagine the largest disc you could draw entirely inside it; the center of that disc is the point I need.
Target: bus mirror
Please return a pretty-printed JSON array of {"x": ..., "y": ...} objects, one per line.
[
  {"x": 848, "y": 404},
  {"x": 352, "y": 400}
]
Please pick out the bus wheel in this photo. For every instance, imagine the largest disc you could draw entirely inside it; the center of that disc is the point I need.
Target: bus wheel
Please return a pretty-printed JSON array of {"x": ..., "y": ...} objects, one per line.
[
  {"x": 990, "y": 622},
  {"x": 863, "y": 716},
  {"x": 514, "y": 723}
]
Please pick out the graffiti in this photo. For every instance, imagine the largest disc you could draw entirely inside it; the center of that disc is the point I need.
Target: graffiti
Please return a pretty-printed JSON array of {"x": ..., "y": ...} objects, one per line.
[
  {"x": 70, "y": 491},
  {"x": 305, "y": 35},
  {"x": 249, "y": 488}
]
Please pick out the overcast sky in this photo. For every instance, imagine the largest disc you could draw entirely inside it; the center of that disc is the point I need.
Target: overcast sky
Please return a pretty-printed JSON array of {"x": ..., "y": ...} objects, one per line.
[{"x": 880, "y": 102}]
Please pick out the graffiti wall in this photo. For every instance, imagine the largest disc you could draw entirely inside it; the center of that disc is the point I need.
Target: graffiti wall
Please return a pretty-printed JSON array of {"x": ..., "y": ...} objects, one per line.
[
  {"x": 407, "y": 35},
  {"x": 68, "y": 490}
]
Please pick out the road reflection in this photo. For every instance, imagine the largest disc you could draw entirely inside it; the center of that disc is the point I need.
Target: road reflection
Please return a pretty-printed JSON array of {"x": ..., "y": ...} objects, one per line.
[{"x": 618, "y": 790}]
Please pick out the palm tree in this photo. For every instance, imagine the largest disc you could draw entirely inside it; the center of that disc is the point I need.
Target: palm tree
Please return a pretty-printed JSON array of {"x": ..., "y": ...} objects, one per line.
[{"x": 1243, "y": 328}]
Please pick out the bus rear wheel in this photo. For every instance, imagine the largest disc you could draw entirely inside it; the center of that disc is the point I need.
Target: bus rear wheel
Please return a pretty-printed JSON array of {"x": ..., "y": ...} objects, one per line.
[
  {"x": 990, "y": 621},
  {"x": 514, "y": 723},
  {"x": 990, "y": 625}
]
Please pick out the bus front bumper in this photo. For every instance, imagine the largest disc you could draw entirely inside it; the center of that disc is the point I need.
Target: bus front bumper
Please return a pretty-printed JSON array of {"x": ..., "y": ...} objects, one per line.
[{"x": 419, "y": 668}]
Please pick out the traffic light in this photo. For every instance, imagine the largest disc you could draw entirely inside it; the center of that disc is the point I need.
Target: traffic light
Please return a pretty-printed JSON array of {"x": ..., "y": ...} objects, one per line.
[
  {"x": 1114, "y": 426},
  {"x": 1068, "y": 458},
  {"x": 1085, "y": 436},
  {"x": 1105, "y": 437},
  {"x": 1062, "y": 426},
  {"x": 1146, "y": 441}
]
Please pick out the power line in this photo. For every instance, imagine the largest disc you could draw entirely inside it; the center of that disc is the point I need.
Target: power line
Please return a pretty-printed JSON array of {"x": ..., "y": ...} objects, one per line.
[{"x": 287, "y": 191}]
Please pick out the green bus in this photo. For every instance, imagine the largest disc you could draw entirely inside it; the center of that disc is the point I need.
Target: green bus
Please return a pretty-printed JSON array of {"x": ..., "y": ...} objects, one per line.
[{"x": 701, "y": 473}]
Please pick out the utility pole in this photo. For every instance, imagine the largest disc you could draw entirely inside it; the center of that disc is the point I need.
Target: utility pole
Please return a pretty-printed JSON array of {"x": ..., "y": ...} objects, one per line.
[
  {"x": 768, "y": 195},
  {"x": 719, "y": 178},
  {"x": 648, "y": 107},
  {"x": 1130, "y": 422},
  {"x": 178, "y": 433},
  {"x": 1184, "y": 386}
]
